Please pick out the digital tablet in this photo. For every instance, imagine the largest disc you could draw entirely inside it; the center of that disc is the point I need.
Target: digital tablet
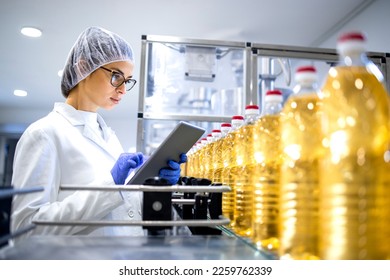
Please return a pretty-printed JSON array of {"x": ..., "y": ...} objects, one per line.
[{"x": 180, "y": 140}]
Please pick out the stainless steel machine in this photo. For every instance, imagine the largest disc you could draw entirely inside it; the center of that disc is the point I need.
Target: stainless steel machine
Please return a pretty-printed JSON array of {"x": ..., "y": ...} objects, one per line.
[
  {"x": 206, "y": 82},
  {"x": 273, "y": 66},
  {"x": 200, "y": 81}
]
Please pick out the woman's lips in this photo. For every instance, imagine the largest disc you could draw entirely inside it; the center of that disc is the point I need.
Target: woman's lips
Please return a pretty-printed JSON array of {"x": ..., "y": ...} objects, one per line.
[{"x": 114, "y": 100}]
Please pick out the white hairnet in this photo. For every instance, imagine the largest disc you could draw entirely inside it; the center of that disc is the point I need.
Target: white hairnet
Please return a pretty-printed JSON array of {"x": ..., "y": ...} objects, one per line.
[{"x": 95, "y": 47}]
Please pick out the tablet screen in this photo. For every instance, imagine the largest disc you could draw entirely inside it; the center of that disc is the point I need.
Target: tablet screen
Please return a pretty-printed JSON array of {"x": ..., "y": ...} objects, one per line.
[{"x": 180, "y": 140}]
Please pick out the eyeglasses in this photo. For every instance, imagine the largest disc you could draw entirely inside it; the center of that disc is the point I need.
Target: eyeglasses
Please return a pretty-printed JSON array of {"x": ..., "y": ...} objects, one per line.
[{"x": 117, "y": 79}]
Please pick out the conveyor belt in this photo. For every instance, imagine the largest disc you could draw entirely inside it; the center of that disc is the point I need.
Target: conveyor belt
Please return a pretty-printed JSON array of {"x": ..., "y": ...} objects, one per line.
[{"x": 132, "y": 248}]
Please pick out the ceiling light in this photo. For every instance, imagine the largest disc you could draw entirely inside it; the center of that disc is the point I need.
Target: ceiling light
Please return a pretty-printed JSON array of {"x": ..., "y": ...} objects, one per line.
[
  {"x": 31, "y": 32},
  {"x": 59, "y": 73},
  {"x": 19, "y": 92}
]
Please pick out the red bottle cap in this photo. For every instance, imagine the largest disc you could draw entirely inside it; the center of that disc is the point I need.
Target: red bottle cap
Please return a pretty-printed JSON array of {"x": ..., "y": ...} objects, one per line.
[
  {"x": 274, "y": 92},
  {"x": 226, "y": 125},
  {"x": 356, "y": 36},
  {"x": 251, "y": 107},
  {"x": 306, "y": 69}
]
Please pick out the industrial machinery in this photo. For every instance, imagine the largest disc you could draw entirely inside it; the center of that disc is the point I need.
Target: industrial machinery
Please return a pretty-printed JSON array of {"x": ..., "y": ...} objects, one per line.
[
  {"x": 200, "y": 81},
  {"x": 206, "y": 82},
  {"x": 165, "y": 219},
  {"x": 273, "y": 65}
]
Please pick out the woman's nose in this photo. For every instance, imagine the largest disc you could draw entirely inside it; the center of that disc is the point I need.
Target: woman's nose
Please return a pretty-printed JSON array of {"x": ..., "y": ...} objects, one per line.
[{"x": 121, "y": 89}]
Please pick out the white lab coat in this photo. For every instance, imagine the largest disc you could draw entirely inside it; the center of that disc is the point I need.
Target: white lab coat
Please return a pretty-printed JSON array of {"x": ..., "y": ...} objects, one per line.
[{"x": 62, "y": 149}]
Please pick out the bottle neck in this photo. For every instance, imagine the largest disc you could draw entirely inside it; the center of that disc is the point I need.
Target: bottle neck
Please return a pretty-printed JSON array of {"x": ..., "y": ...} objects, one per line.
[
  {"x": 353, "y": 59},
  {"x": 251, "y": 118},
  {"x": 236, "y": 125},
  {"x": 272, "y": 108},
  {"x": 216, "y": 136},
  {"x": 306, "y": 88},
  {"x": 361, "y": 59},
  {"x": 224, "y": 132}
]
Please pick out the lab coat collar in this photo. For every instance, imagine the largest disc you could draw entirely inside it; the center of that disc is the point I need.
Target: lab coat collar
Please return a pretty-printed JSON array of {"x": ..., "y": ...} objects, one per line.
[
  {"x": 69, "y": 113},
  {"x": 107, "y": 131},
  {"x": 74, "y": 118}
]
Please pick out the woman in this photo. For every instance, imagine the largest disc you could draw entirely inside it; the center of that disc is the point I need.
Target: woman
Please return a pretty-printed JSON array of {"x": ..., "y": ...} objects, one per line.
[{"x": 73, "y": 145}]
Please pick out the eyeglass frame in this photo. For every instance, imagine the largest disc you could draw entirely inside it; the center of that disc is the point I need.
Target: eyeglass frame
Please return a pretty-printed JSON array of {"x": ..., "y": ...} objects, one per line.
[{"x": 124, "y": 79}]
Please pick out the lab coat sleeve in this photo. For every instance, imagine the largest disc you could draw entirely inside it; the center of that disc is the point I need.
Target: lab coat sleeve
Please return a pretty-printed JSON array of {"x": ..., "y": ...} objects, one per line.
[{"x": 37, "y": 163}]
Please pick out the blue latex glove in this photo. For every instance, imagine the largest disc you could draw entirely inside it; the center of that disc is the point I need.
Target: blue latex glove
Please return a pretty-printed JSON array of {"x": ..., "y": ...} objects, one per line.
[
  {"x": 172, "y": 172},
  {"x": 124, "y": 165}
]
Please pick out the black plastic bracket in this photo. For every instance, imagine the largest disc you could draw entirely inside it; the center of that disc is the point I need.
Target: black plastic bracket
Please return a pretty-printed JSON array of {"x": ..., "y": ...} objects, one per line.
[{"x": 157, "y": 206}]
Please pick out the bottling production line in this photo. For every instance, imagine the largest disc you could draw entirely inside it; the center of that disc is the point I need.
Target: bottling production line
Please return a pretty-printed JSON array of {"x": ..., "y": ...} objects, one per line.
[
  {"x": 171, "y": 232},
  {"x": 204, "y": 82}
]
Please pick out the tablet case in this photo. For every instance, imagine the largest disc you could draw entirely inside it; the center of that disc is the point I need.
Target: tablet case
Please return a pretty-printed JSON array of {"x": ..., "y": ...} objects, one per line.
[{"x": 180, "y": 140}]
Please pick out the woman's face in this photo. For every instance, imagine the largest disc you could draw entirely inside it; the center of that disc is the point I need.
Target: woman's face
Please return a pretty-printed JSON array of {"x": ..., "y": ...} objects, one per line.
[{"x": 98, "y": 91}]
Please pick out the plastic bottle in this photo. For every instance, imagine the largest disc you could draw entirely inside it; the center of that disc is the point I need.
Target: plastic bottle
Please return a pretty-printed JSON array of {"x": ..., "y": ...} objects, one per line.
[
  {"x": 202, "y": 157},
  {"x": 229, "y": 160},
  {"x": 185, "y": 168},
  {"x": 242, "y": 173},
  {"x": 217, "y": 154},
  {"x": 215, "y": 135},
  {"x": 192, "y": 161},
  {"x": 264, "y": 171},
  {"x": 197, "y": 160},
  {"x": 385, "y": 192},
  {"x": 300, "y": 146},
  {"x": 355, "y": 110}
]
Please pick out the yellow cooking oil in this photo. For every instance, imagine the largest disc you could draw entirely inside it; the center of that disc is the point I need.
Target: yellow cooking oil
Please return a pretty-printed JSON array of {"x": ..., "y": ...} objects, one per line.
[
  {"x": 385, "y": 192},
  {"x": 190, "y": 161},
  {"x": 217, "y": 154},
  {"x": 229, "y": 172},
  {"x": 211, "y": 155},
  {"x": 195, "y": 162},
  {"x": 207, "y": 154},
  {"x": 356, "y": 135},
  {"x": 299, "y": 186},
  {"x": 353, "y": 208},
  {"x": 300, "y": 146},
  {"x": 202, "y": 158},
  {"x": 242, "y": 172},
  {"x": 265, "y": 177},
  {"x": 183, "y": 169},
  {"x": 191, "y": 165}
]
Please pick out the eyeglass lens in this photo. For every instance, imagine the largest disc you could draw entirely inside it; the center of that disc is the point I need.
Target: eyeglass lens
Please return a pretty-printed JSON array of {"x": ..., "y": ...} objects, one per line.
[{"x": 118, "y": 79}]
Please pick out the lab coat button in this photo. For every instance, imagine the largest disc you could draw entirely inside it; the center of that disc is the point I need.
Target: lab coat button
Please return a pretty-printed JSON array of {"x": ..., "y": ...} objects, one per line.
[{"x": 130, "y": 213}]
